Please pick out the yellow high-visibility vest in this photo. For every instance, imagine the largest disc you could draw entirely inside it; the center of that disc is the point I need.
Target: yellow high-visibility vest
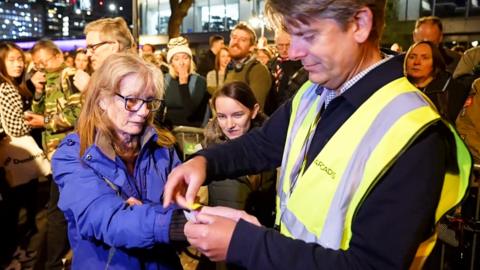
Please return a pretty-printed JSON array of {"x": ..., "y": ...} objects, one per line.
[{"x": 354, "y": 159}]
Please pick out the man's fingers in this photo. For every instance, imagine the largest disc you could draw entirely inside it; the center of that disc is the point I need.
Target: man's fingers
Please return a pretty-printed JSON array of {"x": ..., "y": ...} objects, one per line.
[
  {"x": 168, "y": 193},
  {"x": 205, "y": 218},
  {"x": 194, "y": 230},
  {"x": 222, "y": 211},
  {"x": 192, "y": 191},
  {"x": 180, "y": 200}
]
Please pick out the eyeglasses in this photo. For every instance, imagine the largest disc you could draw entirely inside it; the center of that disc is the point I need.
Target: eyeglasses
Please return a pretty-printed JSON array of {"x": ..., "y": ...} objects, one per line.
[
  {"x": 133, "y": 104},
  {"x": 92, "y": 47},
  {"x": 42, "y": 64}
]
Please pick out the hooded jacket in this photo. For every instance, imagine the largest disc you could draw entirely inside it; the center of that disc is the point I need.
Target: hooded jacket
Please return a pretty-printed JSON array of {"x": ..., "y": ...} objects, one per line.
[{"x": 104, "y": 231}]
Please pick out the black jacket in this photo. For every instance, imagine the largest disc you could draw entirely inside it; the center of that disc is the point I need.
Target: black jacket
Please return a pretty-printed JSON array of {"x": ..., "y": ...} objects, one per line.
[
  {"x": 206, "y": 63},
  {"x": 447, "y": 94}
]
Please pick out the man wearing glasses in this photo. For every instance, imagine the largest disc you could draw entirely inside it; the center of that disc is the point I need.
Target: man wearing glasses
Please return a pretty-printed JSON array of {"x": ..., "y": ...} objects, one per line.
[
  {"x": 55, "y": 107},
  {"x": 104, "y": 37},
  {"x": 243, "y": 66}
]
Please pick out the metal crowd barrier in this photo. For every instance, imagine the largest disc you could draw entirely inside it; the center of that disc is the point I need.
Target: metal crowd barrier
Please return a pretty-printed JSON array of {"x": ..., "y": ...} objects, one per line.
[{"x": 189, "y": 139}]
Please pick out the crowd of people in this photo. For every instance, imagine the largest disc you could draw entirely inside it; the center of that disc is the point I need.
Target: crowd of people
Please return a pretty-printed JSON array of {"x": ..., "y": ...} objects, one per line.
[{"x": 316, "y": 147}]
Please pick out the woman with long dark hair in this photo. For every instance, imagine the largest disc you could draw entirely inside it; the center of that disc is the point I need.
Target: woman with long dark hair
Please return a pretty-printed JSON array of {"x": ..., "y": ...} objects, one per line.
[
  {"x": 15, "y": 99},
  {"x": 216, "y": 77},
  {"x": 424, "y": 67},
  {"x": 236, "y": 113}
]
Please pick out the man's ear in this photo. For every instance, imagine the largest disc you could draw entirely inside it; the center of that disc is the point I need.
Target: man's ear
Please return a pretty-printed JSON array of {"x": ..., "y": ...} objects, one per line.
[{"x": 363, "y": 20}]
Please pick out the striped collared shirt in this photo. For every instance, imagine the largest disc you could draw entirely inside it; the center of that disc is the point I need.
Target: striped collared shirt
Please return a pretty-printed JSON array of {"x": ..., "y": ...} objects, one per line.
[{"x": 331, "y": 94}]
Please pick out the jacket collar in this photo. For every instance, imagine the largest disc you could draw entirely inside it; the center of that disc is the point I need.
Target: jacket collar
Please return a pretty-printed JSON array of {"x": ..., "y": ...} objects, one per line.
[
  {"x": 105, "y": 144},
  {"x": 109, "y": 168}
]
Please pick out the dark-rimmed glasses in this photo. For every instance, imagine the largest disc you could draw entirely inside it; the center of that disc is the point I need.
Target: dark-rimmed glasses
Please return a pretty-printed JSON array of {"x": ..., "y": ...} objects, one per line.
[
  {"x": 42, "y": 63},
  {"x": 134, "y": 104},
  {"x": 91, "y": 48}
]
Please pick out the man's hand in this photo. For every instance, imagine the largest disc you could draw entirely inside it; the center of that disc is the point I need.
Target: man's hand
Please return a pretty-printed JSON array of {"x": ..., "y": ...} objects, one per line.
[
  {"x": 38, "y": 80},
  {"x": 184, "y": 182},
  {"x": 211, "y": 235},
  {"x": 230, "y": 213},
  {"x": 34, "y": 120},
  {"x": 80, "y": 80}
]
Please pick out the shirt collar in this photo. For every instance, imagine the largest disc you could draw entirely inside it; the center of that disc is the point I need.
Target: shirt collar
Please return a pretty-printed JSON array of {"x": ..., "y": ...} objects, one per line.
[
  {"x": 331, "y": 94},
  {"x": 383, "y": 74}
]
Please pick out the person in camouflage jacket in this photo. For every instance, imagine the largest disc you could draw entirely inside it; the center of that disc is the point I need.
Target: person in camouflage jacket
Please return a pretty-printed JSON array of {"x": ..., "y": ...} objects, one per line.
[
  {"x": 57, "y": 102},
  {"x": 56, "y": 107}
]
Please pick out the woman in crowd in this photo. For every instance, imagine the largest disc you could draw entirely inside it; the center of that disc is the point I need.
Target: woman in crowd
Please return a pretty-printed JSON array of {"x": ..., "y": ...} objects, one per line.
[
  {"x": 263, "y": 55},
  {"x": 216, "y": 77},
  {"x": 111, "y": 173},
  {"x": 186, "y": 96},
  {"x": 236, "y": 113},
  {"x": 162, "y": 62},
  {"x": 82, "y": 62},
  {"x": 425, "y": 68},
  {"x": 15, "y": 99},
  {"x": 69, "y": 59}
]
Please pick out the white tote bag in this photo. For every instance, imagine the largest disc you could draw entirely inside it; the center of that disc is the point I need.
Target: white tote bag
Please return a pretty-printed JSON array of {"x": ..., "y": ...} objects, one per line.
[{"x": 22, "y": 160}]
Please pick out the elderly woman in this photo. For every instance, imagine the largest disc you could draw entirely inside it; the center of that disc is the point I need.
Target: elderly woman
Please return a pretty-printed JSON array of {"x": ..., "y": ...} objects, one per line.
[
  {"x": 186, "y": 96},
  {"x": 425, "y": 68},
  {"x": 111, "y": 173}
]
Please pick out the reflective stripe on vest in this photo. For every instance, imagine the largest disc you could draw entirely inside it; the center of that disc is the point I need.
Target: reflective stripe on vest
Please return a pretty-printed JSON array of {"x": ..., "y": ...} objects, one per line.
[{"x": 348, "y": 167}]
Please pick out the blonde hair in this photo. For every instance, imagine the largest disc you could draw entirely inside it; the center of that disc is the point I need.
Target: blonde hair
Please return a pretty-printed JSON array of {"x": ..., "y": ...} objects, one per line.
[
  {"x": 114, "y": 29},
  {"x": 104, "y": 83},
  {"x": 150, "y": 58}
]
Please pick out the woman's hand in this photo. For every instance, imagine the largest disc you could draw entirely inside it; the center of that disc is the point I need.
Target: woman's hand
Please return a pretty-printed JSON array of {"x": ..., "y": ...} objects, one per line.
[
  {"x": 133, "y": 201},
  {"x": 34, "y": 120},
  {"x": 183, "y": 72}
]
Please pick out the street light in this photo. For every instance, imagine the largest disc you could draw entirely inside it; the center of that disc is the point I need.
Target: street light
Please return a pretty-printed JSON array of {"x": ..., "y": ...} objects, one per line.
[{"x": 259, "y": 22}]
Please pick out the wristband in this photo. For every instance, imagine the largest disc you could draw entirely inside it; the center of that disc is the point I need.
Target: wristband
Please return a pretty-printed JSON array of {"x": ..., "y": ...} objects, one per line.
[{"x": 47, "y": 119}]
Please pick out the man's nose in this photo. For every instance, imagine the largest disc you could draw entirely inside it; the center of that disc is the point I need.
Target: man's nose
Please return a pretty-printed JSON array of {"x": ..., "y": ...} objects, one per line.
[{"x": 296, "y": 52}]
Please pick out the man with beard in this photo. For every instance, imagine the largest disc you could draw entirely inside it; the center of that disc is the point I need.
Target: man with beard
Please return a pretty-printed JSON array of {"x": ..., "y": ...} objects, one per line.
[{"x": 243, "y": 66}]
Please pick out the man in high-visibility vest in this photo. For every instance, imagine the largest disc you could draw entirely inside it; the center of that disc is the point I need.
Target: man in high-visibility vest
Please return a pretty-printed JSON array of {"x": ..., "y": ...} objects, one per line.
[{"x": 367, "y": 165}]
